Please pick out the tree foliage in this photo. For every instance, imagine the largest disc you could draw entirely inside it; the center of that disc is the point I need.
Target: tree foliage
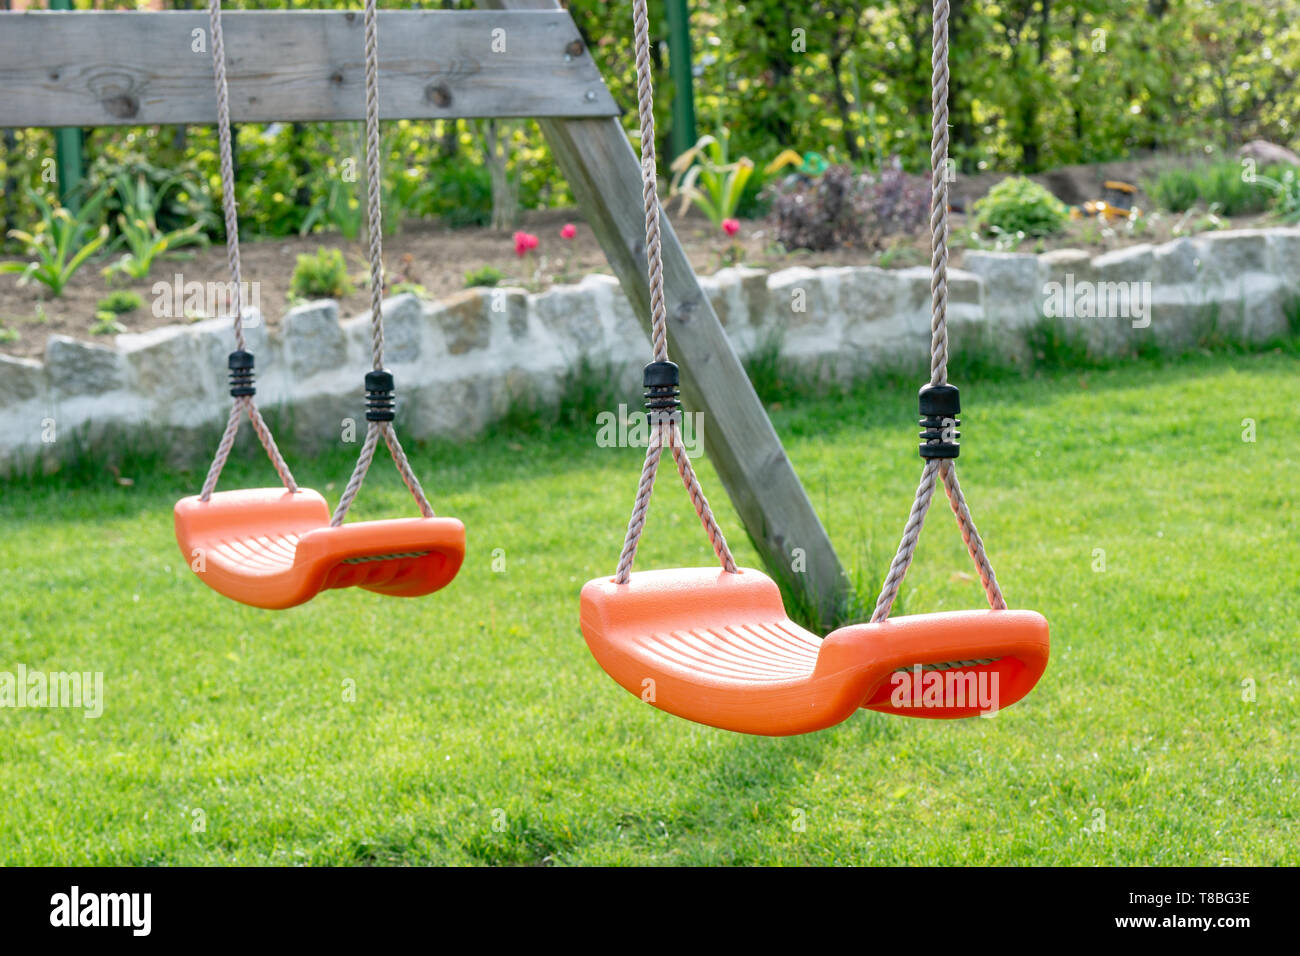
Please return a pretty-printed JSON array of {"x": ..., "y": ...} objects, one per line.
[{"x": 1035, "y": 84}]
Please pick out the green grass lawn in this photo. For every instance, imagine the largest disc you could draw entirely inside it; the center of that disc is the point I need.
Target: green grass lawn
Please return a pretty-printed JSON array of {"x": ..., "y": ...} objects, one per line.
[{"x": 483, "y": 731}]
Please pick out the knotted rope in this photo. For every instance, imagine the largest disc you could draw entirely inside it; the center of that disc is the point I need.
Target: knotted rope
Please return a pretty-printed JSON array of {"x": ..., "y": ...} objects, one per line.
[
  {"x": 666, "y": 425},
  {"x": 230, "y": 206},
  {"x": 943, "y": 468},
  {"x": 376, "y": 429}
]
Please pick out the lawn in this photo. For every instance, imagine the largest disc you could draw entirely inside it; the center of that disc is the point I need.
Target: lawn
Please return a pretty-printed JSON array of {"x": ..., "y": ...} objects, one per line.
[{"x": 1124, "y": 504}]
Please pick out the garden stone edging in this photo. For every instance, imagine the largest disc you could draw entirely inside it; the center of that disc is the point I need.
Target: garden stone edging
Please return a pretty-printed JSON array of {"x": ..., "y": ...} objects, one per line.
[{"x": 461, "y": 361}]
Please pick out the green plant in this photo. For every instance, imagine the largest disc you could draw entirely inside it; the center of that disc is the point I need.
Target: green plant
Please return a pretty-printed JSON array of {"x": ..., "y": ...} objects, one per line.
[
  {"x": 705, "y": 176},
  {"x": 1197, "y": 220},
  {"x": 1289, "y": 341},
  {"x": 460, "y": 194},
  {"x": 1175, "y": 190},
  {"x": 138, "y": 227},
  {"x": 414, "y": 288},
  {"x": 323, "y": 275},
  {"x": 8, "y": 335},
  {"x": 902, "y": 254},
  {"x": 106, "y": 323},
  {"x": 339, "y": 209},
  {"x": 767, "y": 368},
  {"x": 1055, "y": 344},
  {"x": 483, "y": 276},
  {"x": 1225, "y": 184},
  {"x": 59, "y": 244},
  {"x": 995, "y": 241},
  {"x": 1286, "y": 193},
  {"x": 181, "y": 195},
  {"x": 120, "y": 302},
  {"x": 1019, "y": 205}
]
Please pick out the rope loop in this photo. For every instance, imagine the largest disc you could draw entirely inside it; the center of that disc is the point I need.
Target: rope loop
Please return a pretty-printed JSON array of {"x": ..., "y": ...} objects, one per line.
[
  {"x": 661, "y": 376},
  {"x": 381, "y": 401},
  {"x": 240, "y": 362},
  {"x": 939, "y": 403}
]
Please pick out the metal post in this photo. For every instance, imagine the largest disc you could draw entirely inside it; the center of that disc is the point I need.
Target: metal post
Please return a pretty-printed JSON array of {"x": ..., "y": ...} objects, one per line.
[
  {"x": 68, "y": 143},
  {"x": 682, "y": 134}
]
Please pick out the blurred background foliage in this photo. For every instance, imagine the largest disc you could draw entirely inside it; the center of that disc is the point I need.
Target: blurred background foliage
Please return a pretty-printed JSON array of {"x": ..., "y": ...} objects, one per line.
[{"x": 1036, "y": 84}]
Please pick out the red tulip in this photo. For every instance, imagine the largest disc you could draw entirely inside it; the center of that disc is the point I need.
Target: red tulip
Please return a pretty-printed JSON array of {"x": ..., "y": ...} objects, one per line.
[
  {"x": 524, "y": 242},
  {"x": 731, "y": 226},
  {"x": 570, "y": 231}
]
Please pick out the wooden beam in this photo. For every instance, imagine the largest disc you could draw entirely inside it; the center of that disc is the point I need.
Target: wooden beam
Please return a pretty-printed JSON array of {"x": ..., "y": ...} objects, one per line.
[
  {"x": 605, "y": 176},
  {"x": 138, "y": 69}
]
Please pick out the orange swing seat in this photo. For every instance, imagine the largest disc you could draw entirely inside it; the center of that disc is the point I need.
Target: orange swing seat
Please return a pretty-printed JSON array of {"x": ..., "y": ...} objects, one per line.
[
  {"x": 272, "y": 548},
  {"x": 718, "y": 648}
]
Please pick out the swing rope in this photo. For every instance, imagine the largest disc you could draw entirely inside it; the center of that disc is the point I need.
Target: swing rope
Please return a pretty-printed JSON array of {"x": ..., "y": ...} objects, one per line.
[
  {"x": 944, "y": 468},
  {"x": 241, "y": 373},
  {"x": 379, "y": 383},
  {"x": 667, "y": 422}
]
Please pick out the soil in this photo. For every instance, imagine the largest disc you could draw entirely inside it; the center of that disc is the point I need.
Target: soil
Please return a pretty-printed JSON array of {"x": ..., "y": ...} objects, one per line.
[{"x": 438, "y": 258}]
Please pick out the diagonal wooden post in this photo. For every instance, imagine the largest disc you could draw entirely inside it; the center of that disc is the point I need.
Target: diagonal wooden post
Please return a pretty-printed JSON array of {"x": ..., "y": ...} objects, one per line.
[{"x": 602, "y": 170}]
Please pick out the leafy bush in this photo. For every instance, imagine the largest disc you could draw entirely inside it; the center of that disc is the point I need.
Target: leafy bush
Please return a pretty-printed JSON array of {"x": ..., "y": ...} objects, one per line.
[
  {"x": 842, "y": 208},
  {"x": 180, "y": 196},
  {"x": 1223, "y": 184},
  {"x": 60, "y": 243},
  {"x": 894, "y": 201},
  {"x": 818, "y": 213},
  {"x": 460, "y": 194},
  {"x": 483, "y": 276},
  {"x": 322, "y": 276},
  {"x": 120, "y": 302},
  {"x": 1019, "y": 205}
]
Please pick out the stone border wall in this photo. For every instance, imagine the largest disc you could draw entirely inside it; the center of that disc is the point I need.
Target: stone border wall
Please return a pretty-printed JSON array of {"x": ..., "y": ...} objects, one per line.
[{"x": 459, "y": 362}]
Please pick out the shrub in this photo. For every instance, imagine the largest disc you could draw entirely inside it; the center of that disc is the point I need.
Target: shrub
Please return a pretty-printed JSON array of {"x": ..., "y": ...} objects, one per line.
[
  {"x": 324, "y": 275},
  {"x": 483, "y": 276},
  {"x": 120, "y": 302},
  {"x": 841, "y": 208},
  {"x": 818, "y": 213},
  {"x": 894, "y": 201},
  {"x": 179, "y": 187},
  {"x": 460, "y": 193},
  {"x": 1222, "y": 184},
  {"x": 1019, "y": 205}
]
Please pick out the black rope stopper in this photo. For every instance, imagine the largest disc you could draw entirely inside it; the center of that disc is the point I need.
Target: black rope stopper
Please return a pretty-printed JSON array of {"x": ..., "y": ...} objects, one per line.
[
  {"x": 240, "y": 364},
  {"x": 381, "y": 403},
  {"x": 661, "y": 380},
  {"x": 939, "y": 405}
]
